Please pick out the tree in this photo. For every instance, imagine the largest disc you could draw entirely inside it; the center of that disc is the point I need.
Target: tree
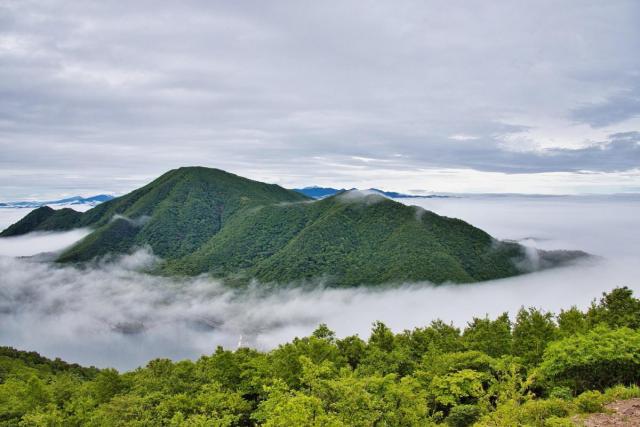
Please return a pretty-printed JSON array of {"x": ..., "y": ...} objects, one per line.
[
  {"x": 352, "y": 348},
  {"x": 617, "y": 309},
  {"x": 462, "y": 387},
  {"x": 107, "y": 384},
  {"x": 284, "y": 408},
  {"x": 595, "y": 360},
  {"x": 323, "y": 332},
  {"x": 381, "y": 337},
  {"x": 532, "y": 332},
  {"x": 571, "y": 322},
  {"x": 490, "y": 337},
  {"x": 285, "y": 360}
]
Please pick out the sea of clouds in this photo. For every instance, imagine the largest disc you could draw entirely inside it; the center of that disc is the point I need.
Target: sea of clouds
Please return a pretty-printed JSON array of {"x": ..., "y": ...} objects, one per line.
[{"x": 113, "y": 314}]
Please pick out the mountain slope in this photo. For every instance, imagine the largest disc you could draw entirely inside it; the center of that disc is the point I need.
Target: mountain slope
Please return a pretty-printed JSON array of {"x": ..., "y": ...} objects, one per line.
[
  {"x": 350, "y": 239},
  {"x": 202, "y": 220},
  {"x": 44, "y": 219},
  {"x": 174, "y": 214}
]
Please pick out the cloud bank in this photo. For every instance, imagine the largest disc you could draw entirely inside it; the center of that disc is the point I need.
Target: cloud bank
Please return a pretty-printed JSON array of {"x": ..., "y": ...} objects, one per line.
[{"x": 113, "y": 314}]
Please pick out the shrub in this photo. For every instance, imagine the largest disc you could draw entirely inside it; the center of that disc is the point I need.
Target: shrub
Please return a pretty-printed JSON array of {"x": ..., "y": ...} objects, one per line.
[
  {"x": 563, "y": 393},
  {"x": 536, "y": 412},
  {"x": 558, "y": 422},
  {"x": 598, "y": 359},
  {"x": 590, "y": 401},
  {"x": 621, "y": 392},
  {"x": 463, "y": 415}
]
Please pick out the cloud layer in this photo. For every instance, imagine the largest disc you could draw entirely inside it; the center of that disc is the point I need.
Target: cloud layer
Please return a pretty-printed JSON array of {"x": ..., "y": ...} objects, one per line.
[
  {"x": 349, "y": 90},
  {"x": 112, "y": 314}
]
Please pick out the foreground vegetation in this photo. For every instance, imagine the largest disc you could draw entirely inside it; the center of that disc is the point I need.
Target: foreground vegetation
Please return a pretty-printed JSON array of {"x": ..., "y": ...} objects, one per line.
[{"x": 540, "y": 370}]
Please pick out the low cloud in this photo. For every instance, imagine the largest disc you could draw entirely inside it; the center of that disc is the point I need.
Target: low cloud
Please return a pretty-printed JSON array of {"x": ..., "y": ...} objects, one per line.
[
  {"x": 369, "y": 197},
  {"x": 113, "y": 314},
  {"x": 35, "y": 243},
  {"x": 136, "y": 222}
]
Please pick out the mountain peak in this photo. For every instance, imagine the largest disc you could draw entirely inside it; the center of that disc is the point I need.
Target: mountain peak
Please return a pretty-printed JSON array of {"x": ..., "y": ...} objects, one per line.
[{"x": 205, "y": 220}]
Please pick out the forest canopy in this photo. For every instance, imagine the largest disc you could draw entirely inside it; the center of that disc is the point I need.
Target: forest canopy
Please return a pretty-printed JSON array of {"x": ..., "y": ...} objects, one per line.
[{"x": 541, "y": 369}]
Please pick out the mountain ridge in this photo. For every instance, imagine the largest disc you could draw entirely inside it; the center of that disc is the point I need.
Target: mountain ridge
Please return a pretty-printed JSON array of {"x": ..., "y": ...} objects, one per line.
[
  {"x": 208, "y": 221},
  {"x": 67, "y": 201}
]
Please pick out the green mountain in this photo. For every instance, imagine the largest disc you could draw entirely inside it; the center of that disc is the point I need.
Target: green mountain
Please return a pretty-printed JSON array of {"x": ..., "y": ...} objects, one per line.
[
  {"x": 44, "y": 219},
  {"x": 202, "y": 220}
]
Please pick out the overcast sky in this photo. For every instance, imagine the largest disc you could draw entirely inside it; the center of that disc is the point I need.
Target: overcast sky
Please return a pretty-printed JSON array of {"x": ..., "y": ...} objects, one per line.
[{"x": 469, "y": 96}]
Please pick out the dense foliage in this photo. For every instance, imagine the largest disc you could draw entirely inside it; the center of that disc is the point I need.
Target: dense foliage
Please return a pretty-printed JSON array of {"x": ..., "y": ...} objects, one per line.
[
  {"x": 202, "y": 220},
  {"x": 349, "y": 240},
  {"x": 540, "y": 370}
]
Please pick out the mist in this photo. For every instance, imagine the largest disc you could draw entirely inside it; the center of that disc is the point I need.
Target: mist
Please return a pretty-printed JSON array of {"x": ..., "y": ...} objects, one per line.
[{"x": 113, "y": 314}]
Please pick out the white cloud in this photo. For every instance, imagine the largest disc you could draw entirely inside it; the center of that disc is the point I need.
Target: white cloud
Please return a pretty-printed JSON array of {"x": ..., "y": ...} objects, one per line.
[{"x": 463, "y": 137}]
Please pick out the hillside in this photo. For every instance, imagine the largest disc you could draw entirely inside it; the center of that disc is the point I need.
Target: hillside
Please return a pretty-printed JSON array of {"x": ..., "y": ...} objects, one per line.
[
  {"x": 44, "y": 218},
  {"x": 202, "y": 220},
  {"x": 351, "y": 239},
  {"x": 174, "y": 214}
]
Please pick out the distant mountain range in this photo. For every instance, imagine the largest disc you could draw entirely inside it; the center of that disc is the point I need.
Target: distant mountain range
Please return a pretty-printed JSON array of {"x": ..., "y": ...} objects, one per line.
[
  {"x": 201, "y": 220},
  {"x": 69, "y": 201},
  {"x": 313, "y": 192},
  {"x": 320, "y": 192}
]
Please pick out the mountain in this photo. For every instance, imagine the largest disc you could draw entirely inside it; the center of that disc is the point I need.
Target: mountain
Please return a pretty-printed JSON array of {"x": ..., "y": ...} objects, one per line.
[
  {"x": 350, "y": 239},
  {"x": 322, "y": 192},
  {"x": 70, "y": 201},
  {"x": 45, "y": 218},
  {"x": 202, "y": 220}
]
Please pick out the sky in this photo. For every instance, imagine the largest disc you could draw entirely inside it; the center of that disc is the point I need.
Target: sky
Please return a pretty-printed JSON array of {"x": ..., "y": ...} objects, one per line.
[{"x": 415, "y": 96}]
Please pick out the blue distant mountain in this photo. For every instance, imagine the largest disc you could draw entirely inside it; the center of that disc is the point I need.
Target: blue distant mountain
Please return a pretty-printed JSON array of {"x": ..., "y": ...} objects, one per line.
[
  {"x": 69, "y": 201},
  {"x": 318, "y": 192},
  {"x": 322, "y": 192}
]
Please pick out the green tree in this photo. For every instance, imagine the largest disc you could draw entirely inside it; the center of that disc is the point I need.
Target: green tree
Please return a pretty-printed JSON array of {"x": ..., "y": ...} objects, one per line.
[
  {"x": 617, "y": 309},
  {"x": 462, "y": 387},
  {"x": 532, "y": 332},
  {"x": 323, "y": 332},
  {"x": 595, "y": 360},
  {"x": 285, "y": 408},
  {"x": 285, "y": 360},
  {"x": 571, "y": 322},
  {"x": 107, "y": 384},
  {"x": 352, "y": 348},
  {"x": 490, "y": 337}
]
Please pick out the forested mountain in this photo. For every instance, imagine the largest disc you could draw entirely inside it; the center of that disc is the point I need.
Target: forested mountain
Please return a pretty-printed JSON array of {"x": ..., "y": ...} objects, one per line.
[
  {"x": 538, "y": 370},
  {"x": 202, "y": 220}
]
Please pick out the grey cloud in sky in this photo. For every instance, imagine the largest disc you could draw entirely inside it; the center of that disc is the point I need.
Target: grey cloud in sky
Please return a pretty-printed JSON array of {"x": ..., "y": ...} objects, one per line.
[
  {"x": 613, "y": 110},
  {"x": 100, "y": 95}
]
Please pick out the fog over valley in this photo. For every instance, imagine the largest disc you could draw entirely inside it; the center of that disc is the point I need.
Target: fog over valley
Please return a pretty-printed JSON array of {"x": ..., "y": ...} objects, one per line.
[{"x": 111, "y": 313}]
